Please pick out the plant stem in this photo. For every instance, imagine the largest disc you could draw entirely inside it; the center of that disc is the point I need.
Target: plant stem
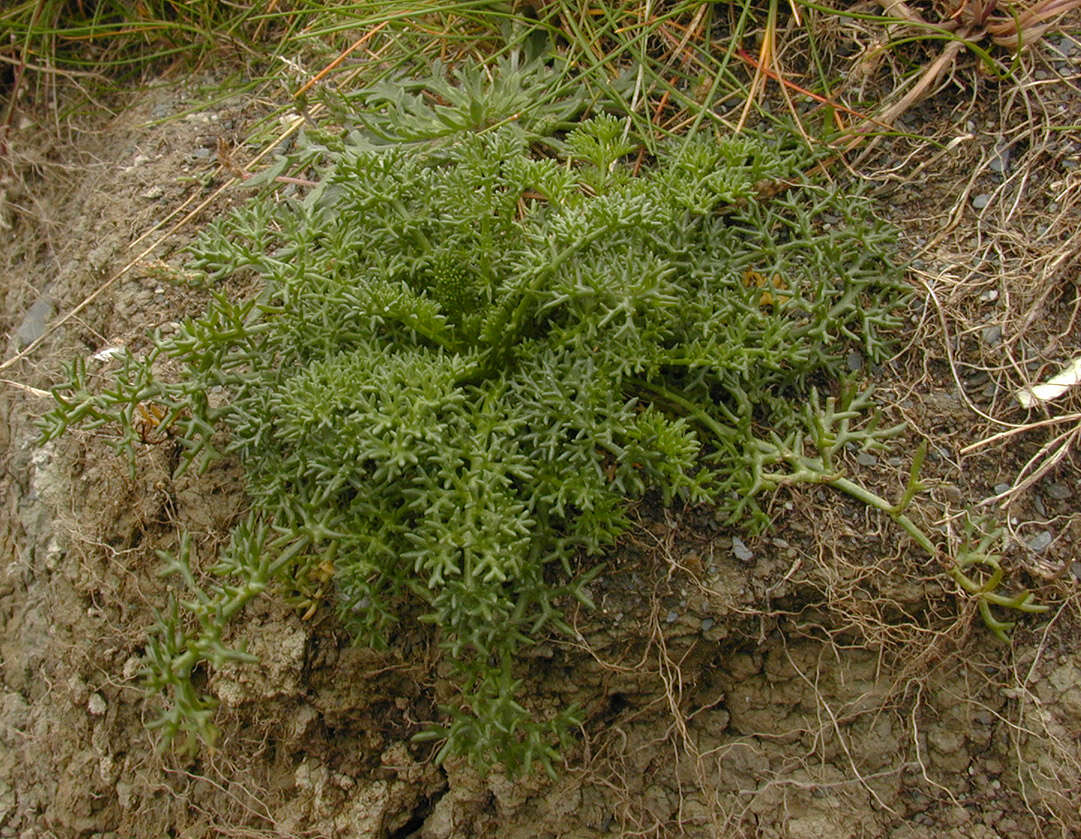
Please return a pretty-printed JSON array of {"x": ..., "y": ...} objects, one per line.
[{"x": 873, "y": 500}]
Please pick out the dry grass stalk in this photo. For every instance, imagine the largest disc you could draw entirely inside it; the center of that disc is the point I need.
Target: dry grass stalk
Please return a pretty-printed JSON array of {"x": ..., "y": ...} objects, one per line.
[{"x": 971, "y": 22}]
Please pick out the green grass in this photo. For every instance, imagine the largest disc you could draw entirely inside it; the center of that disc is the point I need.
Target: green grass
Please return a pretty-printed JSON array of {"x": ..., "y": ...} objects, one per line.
[
  {"x": 667, "y": 67},
  {"x": 657, "y": 64}
]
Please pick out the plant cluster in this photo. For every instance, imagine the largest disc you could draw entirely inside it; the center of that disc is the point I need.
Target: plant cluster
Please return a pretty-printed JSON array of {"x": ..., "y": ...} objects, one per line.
[{"x": 463, "y": 359}]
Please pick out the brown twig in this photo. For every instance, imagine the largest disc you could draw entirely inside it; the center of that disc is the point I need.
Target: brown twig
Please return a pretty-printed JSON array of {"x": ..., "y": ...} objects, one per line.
[{"x": 367, "y": 36}]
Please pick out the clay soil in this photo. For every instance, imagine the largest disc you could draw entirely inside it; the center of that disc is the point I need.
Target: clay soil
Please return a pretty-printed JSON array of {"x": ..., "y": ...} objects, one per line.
[{"x": 825, "y": 680}]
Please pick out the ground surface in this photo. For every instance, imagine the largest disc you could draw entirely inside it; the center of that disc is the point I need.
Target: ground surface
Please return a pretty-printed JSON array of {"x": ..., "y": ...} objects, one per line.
[{"x": 825, "y": 680}]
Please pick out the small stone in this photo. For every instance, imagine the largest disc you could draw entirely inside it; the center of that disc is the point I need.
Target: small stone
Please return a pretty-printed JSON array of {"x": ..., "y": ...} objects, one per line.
[
  {"x": 153, "y": 193},
  {"x": 1039, "y": 540},
  {"x": 707, "y": 624},
  {"x": 980, "y": 201},
  {"x": 952, "y": 494},
  {"x": 1001, "y": 488},
  {"x": 866, "y": 459},
  {"x": 740, "y": 549},
  {"x": 1065, "y": 45},
  {"x": 96, "y": 705},
  {"x": 34, "y": 322},
  {"x": 1060, "y": 492},
  {"x": 1000, "y": 163},
  {"x": 201, "y": 154},
  {"x": 992, "y": 335},
  {"x": 854, "y": 360},
  {"x": 132, "y": 667},
  {"x": 1075, "y": 569},
  {"x": 671, "y": 617},
  {"x": 989, "y": 296}
]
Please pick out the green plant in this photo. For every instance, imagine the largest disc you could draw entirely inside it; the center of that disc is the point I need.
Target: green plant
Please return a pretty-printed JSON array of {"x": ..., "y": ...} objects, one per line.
[
  {"x": 464, "y": 359},
  {"x": 449, "y": 101},
  {"x": 976, "y": 554},
  {"x": 811, "y": 455}
]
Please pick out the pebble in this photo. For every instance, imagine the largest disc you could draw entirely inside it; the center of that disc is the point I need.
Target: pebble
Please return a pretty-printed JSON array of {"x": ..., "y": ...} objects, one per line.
[
  {"x": 132, "y": 667},
  {"x": 671, "y": 617},
  {"x": 866, "y": 459},
  {"x": 1001, "y": 488},
  {"x": 938, "y": 453},
  {"x": 1000, "y": 163},
  {"x": 96, "y": 705},
  {"x": 1060, "y": 492},
  {"x": 201, "y": 154},
  {"x": 980, "y": 201},
  {"x": 1065, "y": 45},
  {"x": 1075, "y": 569},
  {"x": 153, "y": 193},
  {"x": 989, "y": 296},
  {"x": 34, "y": 322},
  {"x": 854, "y": 361},
  {"x": 707, "y": 624},
  {"x": 1039, "y": 540},
  {"x": 952, "y": 494},
  {"x": 992, "y": 335},
  {"x": 740, "y": 549}
]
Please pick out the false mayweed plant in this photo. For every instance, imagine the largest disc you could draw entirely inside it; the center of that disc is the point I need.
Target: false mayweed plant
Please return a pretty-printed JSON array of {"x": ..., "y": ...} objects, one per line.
[{"x": 463, "y": 359}]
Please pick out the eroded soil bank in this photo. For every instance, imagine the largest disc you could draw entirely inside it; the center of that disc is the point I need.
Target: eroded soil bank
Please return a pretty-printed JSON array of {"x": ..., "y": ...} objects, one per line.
[{"x": 825, "y": 680}]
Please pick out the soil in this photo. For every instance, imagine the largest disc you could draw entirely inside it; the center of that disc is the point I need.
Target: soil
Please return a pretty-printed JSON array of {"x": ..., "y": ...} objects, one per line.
[{"x": 826, "y": 679}]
